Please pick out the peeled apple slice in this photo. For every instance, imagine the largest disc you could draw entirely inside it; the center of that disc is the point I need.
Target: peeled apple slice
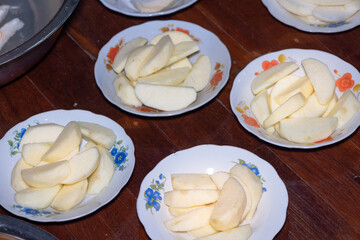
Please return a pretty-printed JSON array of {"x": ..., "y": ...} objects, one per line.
[
  {"x": 230, "y": 206},
  {"x": 47, "y": 132},
  {"x": 125, "y": 91},
  {"x": 158, "y": 58},
  {"x": 203, "y": 231},
  {"x": 175, "y": 36},
  {"x": 166, "y": 98},
  {"x": 136, "y": 60},
  {"x": 121, "y": 57},
  {"x": 248, "y": 199},
  {"x": 97, "y": 133},
  {"x": 82, "y": 165},
  {"x": 239, "y": 233},
  {"x": 47, "y": 175},
  {"x": 17, "y": 181},
  {"x": 192, "y": 181},
  {"x": 297, "y": 7},
  {"x": 37, "y": 198},
  {"x": 177, "y": 211},
  {"x": 190, "y": 198},
  {"x": 261, "y": 109},
  {"x": 149, "y": 6},
  {"x": 307, "y": 130},
  {"x": 321, "y": 78},
  {"x": 170, "y": 77},
  {"x": 184, "y": 62},
  {"x": 345, "y": 108},
  {"x": 291, "y": 105},
  {"x": 192, "y": 220},
  {"x": 68, "y": 140},
  {"x": 312, "y": 108},
  {"x": 200, "y": 74},
  {"x": 331, "y": 105},
  {"x": 333, "y": 14},
  {"x": 32, "y": 152},
  {"x": 219, "y": 178},
  {"x": 253, "y": 184},
  {"x": 101, "y": 177},
  {"x": 182, "y": 50},
  {"x": 272, "y": 75},
  {"x": 69, "y": 196}
]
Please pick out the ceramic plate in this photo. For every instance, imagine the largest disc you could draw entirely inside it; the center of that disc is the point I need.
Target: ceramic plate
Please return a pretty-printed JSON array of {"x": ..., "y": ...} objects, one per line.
[
  {"x": 241, "y": 96},
  {"x": 269, "y": 216},
  {"x": 122, "y": 151},
  {"x": 209, "y": 45},
  {"x": 127, "y": 7},
  {"x": 290, "y": 19}
]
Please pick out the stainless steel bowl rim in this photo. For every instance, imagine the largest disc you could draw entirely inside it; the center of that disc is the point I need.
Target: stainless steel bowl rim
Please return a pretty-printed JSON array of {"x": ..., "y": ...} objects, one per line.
[{"x": 61, "y": 16}]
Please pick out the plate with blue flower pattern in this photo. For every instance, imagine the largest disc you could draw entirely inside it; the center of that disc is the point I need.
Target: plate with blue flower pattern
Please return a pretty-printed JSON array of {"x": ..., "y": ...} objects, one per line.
[
  {"x": 122, "y": 151},
  {"x": 271, "y": 212}
]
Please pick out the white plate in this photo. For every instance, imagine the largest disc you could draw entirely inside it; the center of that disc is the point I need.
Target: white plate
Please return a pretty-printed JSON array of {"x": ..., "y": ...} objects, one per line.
[
  {"x": 209, "y": 45},
  {"x": 124, "y": 162},
  {"x": 126, "y": 7},
  {"x": 241, "y": 95},
  {"x": 269, "y": 216},
  {"x": 290, "y": 19}
]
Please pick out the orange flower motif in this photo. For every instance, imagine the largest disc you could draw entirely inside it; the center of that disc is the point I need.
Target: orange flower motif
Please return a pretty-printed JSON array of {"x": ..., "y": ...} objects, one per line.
[
  {"x": 239, "y": 109},
  {"x": 345, "y": 82},
  {"x": 325, "y": 140},
  {"x": 250, "y": 121},
  {"x": 112, "y": 53},
  {"x": 183, "y": 30},
  {"x": 216, "y": 78},
  {"x": 266, "y": 64}
]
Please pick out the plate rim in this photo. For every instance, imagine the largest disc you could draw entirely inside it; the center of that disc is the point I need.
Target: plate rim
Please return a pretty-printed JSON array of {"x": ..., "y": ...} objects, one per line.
[{"x": 131, "y": 153}]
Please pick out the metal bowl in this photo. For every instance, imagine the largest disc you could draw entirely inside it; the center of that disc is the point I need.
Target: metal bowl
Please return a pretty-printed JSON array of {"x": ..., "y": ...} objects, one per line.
[{"x": 43, "y": 21}]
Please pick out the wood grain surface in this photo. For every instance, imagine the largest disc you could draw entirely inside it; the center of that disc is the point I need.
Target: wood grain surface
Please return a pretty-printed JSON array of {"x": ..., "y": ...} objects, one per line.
[{"x": 323, "y": 184}]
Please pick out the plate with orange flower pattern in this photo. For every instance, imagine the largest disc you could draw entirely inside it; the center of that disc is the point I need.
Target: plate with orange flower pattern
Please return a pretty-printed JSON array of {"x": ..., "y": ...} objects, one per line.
[
  {"x": 209, "y": 45},
  {"x": 345, "y": 75}
]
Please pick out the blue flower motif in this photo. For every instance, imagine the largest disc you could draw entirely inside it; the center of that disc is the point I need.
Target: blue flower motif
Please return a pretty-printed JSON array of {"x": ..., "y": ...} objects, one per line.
[
  {"x": 255, "y": 170},
  {"x": 114, "y": 151},
  {"x": 157, "y": 182},
  {"x": 17, "y": 145},
  {"x": 161, "y": 176},
  {"x": 151, "y": 197},
  {"x": 31, "y": 211},
  {"x": 156, "y": 205},
  {"x": 22, "y": 132},
  {"x": 120, "y": 158}
]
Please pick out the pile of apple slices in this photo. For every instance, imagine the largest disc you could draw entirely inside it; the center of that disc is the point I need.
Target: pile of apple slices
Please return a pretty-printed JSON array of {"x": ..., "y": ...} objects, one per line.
[
  {"x": 213, "y": 206},
  {"x": 159, "y": 74},
  {"x": 53, "y": 170},
  {"x": 301, "y": 109},
  {"x": 321, "y": 12}
]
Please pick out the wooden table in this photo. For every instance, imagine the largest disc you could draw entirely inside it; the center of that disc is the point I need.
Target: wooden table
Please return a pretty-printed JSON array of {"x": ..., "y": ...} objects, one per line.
[{"x": 323, "y": 184}]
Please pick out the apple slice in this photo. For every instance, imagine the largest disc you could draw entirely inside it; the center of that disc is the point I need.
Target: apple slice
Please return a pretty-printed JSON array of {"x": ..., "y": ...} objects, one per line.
[
  {"x": 184, "y": 62},
  {"x": 166, "y": 98},
  {"x": 230, "y": 206},
  {"x": 253, "y": 184},
  {"x": 307, "y": 130},
  {"x": 297, "y": 7},
  {"x": 121, "y": 57},
  {"x": 334, "y": 14},
  {"x": 47, "y": 132},
  {"x": 192, "y": 220},
  {"x": 170, "y": 77},
  {"x": 68, "y": 140},
  {"x": 36, "y": 198},
  {"x": 272, "y": 75},
  {"x": 203, "y": 231},
  {"x": 125, "y": 91},
  {"x": 175, "y": 36},
  {"x": 291, "y": 105},
  {"x": 191, "y": 181},
  {"x": 88, "y": 145},
  {"x": 177, "y": 211},
  {"x": 345, "y": 108},
  {"x": 219, "y": 178},
  {"x": 82, "y": 165},
  {"x": 331, "y": 105},
  {"x": 69, "y": 196},
  {"x": 190, "y": 198},
  {"x": 312, "y": 108},
  {"x": 136, "y": 60},
  {"x": 47, "y": 175},
  {"x": 32, "y": 152},
  {"x": 101, "y": 177},
  {"x": 17, "y": 181},
  {"x": 239, "y": 233},
  {"x": 182, "y": 50},
  {"x": 101, "y": 135},
  {"x": 150, "y": 6},
  {"x": 200, "y": 74},
  {"x": 248, "y": 199},
  {"x": 321, "y": 78},
  {"x": 261, "y": 109},
  {"x": 158, "y": 58}
]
